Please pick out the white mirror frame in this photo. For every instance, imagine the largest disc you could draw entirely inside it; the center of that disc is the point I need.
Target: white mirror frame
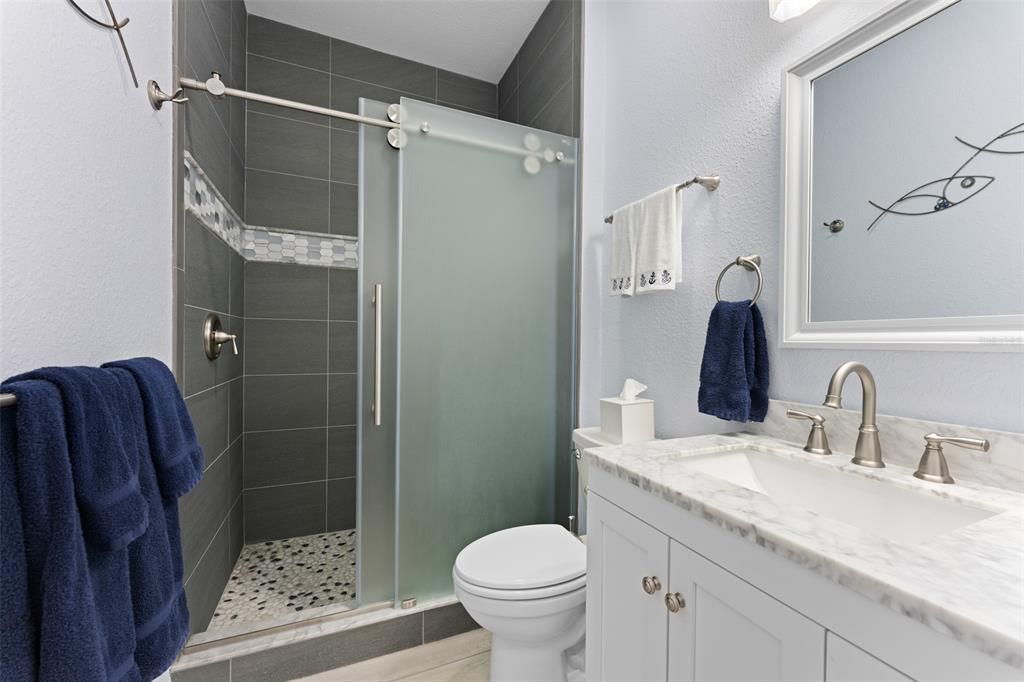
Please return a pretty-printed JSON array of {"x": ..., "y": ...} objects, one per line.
[{"x": 989, "y": 333}]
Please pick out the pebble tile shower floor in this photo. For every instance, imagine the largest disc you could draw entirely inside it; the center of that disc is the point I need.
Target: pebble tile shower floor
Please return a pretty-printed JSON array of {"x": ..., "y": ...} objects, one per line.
[{"x": 289, "y": 576}]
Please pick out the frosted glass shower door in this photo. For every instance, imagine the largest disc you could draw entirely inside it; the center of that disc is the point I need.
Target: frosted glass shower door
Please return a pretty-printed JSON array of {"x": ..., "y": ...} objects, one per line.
[{"x": 485, "y": 334}]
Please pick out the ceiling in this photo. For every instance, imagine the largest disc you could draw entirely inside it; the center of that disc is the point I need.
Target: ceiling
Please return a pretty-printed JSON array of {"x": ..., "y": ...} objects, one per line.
[{"x": 477, "y": 38}]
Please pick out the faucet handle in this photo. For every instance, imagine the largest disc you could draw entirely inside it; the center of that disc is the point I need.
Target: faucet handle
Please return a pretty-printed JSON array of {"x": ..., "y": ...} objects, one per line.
[
  {"x": 817, "y": 440},
  {"x": 933, "y": 465},
  {"x": 797, "y": 414}
]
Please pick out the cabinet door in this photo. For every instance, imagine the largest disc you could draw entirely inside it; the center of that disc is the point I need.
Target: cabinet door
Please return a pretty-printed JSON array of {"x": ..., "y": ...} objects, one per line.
[
  {"x": 847, "y": 663},
  {"x": 730, "y": 630},
  {"x": 627, "y": 628}
]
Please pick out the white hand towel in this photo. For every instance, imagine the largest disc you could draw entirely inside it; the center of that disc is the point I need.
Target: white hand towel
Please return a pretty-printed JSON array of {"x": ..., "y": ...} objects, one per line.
[
  {"x": 658, "y": 248},
  {"x": 625, "y": 223}
]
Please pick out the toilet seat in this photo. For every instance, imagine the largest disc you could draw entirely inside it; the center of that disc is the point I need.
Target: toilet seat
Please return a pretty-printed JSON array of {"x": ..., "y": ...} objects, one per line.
[
  {"x": 522, "y": 595},
  {"x": 526, "y": 562}
]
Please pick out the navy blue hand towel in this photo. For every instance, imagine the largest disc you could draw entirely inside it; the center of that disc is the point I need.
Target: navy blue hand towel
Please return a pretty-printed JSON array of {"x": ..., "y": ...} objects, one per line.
[
  {"x": 106, "y": 481},
  {"x": 154, "y": 559},
  {"x": 78, "y": 594},
  {"x": 172, "y": 439},
  {"x": 734, "y": 371}
]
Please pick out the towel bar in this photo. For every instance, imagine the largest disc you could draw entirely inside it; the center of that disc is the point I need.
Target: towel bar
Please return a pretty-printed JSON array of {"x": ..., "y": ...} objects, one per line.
[
  {"x": 7, "y": 399},
  {"x": 708, "y": 182}
]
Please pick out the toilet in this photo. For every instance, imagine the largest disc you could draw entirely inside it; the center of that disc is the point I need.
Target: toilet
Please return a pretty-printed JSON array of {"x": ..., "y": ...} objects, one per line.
[{"x": 527, "y": 586}]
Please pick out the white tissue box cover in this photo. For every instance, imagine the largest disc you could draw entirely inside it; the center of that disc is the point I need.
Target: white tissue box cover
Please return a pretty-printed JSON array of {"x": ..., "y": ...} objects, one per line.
[{"x": 627, "y": 421}]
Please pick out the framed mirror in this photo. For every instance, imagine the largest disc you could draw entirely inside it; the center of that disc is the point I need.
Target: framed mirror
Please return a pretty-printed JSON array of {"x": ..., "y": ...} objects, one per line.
[{"x": 903, "y": 196}]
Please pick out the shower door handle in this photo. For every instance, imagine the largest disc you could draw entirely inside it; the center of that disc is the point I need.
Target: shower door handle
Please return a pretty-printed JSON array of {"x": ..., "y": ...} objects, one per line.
[{"x": 378, "y": 319}]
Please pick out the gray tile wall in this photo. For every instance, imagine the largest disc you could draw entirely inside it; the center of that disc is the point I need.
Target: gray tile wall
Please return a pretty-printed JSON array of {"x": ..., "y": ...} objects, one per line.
[
  {"x": 300, "y": 400},
  {"x": 301, "y": 168},
  {"x": 541, "y": 87},
  {"x": 301, "y": 173},
  {"x": 210, "y": 36}
]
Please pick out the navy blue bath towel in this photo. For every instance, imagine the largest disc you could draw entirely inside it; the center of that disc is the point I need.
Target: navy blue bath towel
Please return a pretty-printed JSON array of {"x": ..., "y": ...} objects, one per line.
[
  {"x": 176, "y": 453},
  {"x": 17, "y": 628},
  {"x": 734, "y": 371},
  {"x": 77, "y": 595},
  {"x": 99, "y": 609},
  {"x": 154, "y": 559},
  {"x": 106, "y": 476}
]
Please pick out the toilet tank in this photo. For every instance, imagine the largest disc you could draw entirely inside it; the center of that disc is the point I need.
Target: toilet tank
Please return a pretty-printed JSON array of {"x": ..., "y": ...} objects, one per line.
[{"x": 582, "y": 439}]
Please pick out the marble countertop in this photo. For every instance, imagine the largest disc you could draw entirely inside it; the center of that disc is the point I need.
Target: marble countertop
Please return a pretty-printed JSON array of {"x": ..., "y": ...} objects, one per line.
[{"x": 968, "y": 583}]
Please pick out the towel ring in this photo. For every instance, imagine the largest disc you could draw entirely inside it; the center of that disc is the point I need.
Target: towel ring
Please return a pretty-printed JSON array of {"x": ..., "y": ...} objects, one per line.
[{"x": 750, "y": 263}]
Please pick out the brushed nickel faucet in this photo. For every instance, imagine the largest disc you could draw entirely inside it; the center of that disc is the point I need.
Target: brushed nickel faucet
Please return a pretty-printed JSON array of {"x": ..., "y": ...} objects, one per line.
[{"x": 868, "y": 452}]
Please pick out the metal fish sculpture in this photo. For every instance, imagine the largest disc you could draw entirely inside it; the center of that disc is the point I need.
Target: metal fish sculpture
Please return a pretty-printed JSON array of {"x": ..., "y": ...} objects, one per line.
[{"x": 953, "y": 190}]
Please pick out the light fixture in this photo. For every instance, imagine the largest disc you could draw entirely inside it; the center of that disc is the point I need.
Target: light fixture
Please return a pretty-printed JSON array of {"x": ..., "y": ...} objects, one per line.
[{"x": 784, "y": 10}]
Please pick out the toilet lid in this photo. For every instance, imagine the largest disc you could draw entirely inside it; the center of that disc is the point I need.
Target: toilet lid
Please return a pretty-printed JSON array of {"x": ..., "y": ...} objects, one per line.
[{"x": 524, "y": 557}]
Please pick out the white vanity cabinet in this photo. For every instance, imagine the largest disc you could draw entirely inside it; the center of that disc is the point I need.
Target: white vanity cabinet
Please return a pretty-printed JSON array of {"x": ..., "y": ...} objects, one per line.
[
  {"x": 659, "y": 611},
  {"x": 728, "y": 630},
  {"x": 626, "y": 626},
  {"x": 847, "y": 663}
]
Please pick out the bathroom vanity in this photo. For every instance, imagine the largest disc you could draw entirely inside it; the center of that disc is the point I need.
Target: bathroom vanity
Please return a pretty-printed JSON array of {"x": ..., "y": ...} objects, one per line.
[{"x": 743, "y": 558}]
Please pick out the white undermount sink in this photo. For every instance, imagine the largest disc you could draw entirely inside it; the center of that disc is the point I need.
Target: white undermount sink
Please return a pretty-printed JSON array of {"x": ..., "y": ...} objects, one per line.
[{"x": 886, "y": 510}]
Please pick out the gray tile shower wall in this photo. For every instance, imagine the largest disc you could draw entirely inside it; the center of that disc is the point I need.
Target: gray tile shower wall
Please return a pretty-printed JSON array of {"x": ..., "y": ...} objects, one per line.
[
  {"x": 541, "y": 87},
  {"x": 301, "y": 170},
  {"x": 300, "y": 372},
  {"x": 210, "y": 36},
  {"x": 302, "y": 174}
]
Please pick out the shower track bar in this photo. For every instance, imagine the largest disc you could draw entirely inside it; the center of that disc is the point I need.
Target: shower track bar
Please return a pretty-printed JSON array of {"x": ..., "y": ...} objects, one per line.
[{"x": 216, "y": 87}]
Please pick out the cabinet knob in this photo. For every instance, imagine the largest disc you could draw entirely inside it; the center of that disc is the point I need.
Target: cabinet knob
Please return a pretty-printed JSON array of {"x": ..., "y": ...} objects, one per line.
[
  {"x": 651, "y": 584},
  {"x": 675, "y": 602}
]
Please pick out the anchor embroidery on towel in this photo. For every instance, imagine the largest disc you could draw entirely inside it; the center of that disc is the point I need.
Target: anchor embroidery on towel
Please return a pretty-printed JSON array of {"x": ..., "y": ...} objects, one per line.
[
  {"x": 665, "y": 277},
  {"x": 652, "y": 278}
]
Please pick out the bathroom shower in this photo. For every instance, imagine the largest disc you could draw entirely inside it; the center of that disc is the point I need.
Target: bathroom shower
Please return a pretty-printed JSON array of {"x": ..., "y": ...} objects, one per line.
[{"x": 394, "y": 233}]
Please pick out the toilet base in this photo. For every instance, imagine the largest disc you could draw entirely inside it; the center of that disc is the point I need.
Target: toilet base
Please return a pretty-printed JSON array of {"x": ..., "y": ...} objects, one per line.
[{"x": 513, "y": 663}]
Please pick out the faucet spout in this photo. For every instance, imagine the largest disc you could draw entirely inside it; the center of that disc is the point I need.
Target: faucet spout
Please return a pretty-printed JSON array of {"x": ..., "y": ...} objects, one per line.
[{"x": 868, "y": 451}]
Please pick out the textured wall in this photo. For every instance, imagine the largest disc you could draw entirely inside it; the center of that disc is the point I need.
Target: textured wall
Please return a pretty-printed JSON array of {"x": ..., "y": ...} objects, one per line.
[
  {"x": 693, "y": 87},
  {"x": 541, "y": 87},
  {"x": 210, "y": 36},
  {"x": 85, "y": 176}
]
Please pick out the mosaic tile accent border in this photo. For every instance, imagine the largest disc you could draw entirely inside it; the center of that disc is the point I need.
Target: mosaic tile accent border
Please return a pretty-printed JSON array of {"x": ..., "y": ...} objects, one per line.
[
  {"x": 305, "y": 248},
  {"x": 268, "y": 244},
  {"x": 205, "y": 202}
]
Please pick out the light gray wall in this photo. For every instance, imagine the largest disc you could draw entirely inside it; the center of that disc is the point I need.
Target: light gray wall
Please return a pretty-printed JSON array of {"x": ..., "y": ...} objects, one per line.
[
  {"x": 693, "y": 87},
  {"x": 85, "y": 172}
]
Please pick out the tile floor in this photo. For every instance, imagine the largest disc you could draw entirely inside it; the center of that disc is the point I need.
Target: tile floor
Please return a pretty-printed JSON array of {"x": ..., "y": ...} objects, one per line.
[
  {"x": 462, "y": 658},
  {"x": 289, "y": 576}
]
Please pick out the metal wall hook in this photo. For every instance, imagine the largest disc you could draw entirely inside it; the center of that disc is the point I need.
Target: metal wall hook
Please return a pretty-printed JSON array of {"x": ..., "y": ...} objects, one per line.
[{"x": 157, "y": 97}]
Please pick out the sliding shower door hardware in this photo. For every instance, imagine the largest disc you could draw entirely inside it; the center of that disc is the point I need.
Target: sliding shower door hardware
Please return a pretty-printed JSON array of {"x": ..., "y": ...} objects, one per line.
[
  {"x": 378, "y": 323},
  {"x": 397, "y": 138},
  {"x": 157, "y": 97},
  {"x": 409, "y": 603},
  {"x": 216, "y": 87}
]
